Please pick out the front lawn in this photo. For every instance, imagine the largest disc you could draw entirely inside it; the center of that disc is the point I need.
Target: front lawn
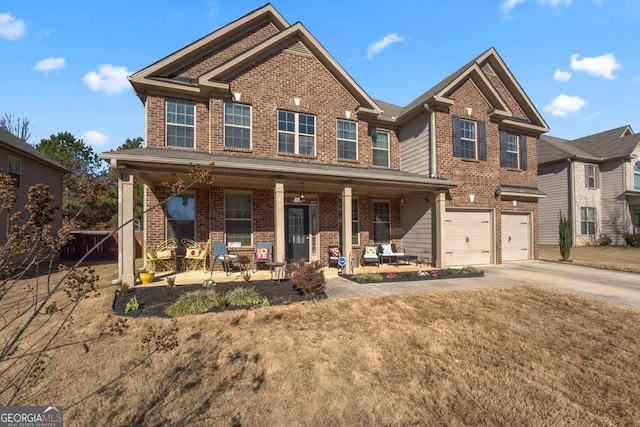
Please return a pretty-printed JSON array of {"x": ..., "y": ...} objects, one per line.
[
  {"x": 620, "y": 258},
  {"x": 408, "y": 276}
]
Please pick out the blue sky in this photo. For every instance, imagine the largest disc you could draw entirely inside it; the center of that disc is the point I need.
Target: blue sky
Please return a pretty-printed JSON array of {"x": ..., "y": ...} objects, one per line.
[{"x": 64, "y": 63}]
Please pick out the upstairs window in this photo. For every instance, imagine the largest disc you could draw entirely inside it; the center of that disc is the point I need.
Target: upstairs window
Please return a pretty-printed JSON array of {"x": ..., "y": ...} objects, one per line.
[
  {"x": 296, "y": 133},
  {"x": 636, "y": 176},
  {"x": 347, "y": 135},
  {"x": 591, "y": 176},
  {"x": 237, "y": 126},
  {"x": 380, "y": 148},
  {"x": 513, "y": 151},
  {"x": 180, "y": 124},
  {"x": 469, "y": 139},
  {"x": 13, "y": 168}
]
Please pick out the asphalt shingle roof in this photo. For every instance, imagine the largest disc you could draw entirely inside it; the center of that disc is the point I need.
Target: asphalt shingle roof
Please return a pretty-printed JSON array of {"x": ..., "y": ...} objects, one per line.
[{"x": 12, "y": 141}]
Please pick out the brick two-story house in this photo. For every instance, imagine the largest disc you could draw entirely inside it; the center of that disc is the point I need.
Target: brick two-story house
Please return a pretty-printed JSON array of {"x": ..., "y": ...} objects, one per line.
[{"x": 451, "y": 177}]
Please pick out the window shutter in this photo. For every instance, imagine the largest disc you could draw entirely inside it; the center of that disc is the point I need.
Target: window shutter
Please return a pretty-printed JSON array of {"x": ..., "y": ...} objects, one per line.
[
  {"x": 586, "y": 176},
  {"x": 457, "y": 146},
  {"x": 503, "y": 149},
  {"x": 482, "y": 141},
  {"x": 523, "y": 152},
  {"x": 596, "y": 171}
]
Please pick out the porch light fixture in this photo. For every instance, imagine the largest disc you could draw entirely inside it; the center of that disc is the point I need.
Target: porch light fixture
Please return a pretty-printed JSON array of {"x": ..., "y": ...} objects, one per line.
[
  {"x": 496, "y": 194},
  {"x": 172, "y": 188},
  {"x": 472, "y": 197},
  {"x": 237, "y": 96},
  {"x": 302, "y": 198},
  {"x": 402, "y": 199},
  {"x": 296, "y": 102}
]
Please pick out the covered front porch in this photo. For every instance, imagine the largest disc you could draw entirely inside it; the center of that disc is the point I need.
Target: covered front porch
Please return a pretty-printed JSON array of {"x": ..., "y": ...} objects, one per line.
[{"x": 301, "y": 208}]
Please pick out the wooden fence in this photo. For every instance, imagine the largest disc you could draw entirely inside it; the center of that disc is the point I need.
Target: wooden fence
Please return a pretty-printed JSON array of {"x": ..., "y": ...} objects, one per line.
[{"x": 82, "y": 241}]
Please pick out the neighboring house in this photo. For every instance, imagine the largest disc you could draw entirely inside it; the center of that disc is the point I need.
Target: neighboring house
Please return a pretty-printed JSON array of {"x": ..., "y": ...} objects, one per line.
[
  {"x": 305, "y": 158},
  {"x": 595, "y": 180},
  {"x": 27, "y": 166}
]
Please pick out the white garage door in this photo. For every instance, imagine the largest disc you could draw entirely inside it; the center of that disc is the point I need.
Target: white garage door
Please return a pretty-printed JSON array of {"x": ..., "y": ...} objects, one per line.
[
  {"x": 468, "y": 238},
  {"x": 515, "y": 237}
]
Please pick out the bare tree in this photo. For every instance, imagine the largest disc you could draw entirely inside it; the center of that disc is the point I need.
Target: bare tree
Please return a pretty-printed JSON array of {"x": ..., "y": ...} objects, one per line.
[{"x": 17, "y": 126}]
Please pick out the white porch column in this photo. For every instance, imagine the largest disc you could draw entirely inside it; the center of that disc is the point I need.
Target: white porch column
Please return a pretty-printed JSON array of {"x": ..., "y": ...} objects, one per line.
[
  {"x": 346, "y": 227},
  {"x": 126, "y": 234},
  {"x": 278, "y": 207},
  {"x": 439, "y": 213}
]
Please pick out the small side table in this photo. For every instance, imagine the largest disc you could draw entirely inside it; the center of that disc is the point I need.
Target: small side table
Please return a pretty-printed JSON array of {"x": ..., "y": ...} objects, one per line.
[
  {"x": 273, "y": 266},
  {"x": 244, "y": 262}
]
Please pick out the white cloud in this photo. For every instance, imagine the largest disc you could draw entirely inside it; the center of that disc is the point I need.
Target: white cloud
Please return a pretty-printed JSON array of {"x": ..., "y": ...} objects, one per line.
[
  {"x": 561, "y": 76},
  {"x": 49, "y": 64},
  {"x": 565, "y": 104},
  {"x": 508, "y": 5},
  {"x": 108, "y": 78},
  {"x": 383, "y": 43},
  {"x": 636, "y": 79},
  {"x": 10, "y": 28},
  {"x": 599, "y": 66},
  {"x": 94, "y": 137}
]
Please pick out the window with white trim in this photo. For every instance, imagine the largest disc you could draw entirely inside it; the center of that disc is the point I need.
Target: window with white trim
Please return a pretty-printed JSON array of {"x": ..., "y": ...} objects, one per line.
[
  {"x": 181, "y": 216},
  {"x": 237, "y": 218},
  {"x": 636, "y": 175},
  {"x": 237, "y": 125},
  {"x": 180, "y": 124},
  {"x": 588, "y": 221},
  {"x": 14, "y": 166},
  {"x": 591, "y": 176},
  {"x": 381, "y": 222},
  {"x": 380, "y": 148},
  {"x": 468, "y": 140},
  {"x": 347, "y": 135},
  {"x": 296, "y": 133},
  {"x": 512, "y": 151},
  {"x": 355, "y": 223}
]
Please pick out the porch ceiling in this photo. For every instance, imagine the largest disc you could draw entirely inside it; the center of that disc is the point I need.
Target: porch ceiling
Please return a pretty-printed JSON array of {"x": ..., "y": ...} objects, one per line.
[{"x": 155, "y": 166}]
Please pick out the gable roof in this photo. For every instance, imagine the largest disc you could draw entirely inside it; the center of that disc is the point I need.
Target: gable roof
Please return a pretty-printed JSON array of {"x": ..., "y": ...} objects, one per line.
[
  {"x": 439, "y": 94},
  {"x": 159, "y": 73},
  {"x": 611, "y": 144},
  {"x": 18, "y": 145}
]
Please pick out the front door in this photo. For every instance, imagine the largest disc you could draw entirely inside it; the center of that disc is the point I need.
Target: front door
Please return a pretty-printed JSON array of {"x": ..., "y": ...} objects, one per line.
[{"x": 297, "y": 227}]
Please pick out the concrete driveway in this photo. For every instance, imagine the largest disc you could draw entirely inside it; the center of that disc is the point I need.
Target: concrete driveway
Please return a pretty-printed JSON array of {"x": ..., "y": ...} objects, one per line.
[{"x": 613, "y": 286}]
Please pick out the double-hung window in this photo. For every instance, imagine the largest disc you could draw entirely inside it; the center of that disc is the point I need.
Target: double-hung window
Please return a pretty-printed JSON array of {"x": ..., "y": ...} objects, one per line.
[
  {"x": 237, "y": 218},
  {"x": 181, "y": 215},
  {"x": 591, "y": 176},
  {"x": 588, "y": 221},
  {"x": 469, "y": 139},
  {"x": 380, "y": 148},
  {"x": 13, "y": 168},
  {"x": 347, "y": 135},
  {"x": 237, "y": 126},
  {"x": 381, "y": 222},
  {"x": 636, "y": 176},
  {"x": 180, "y": 124},
  {"x": 355, "y": 223},
  {"x": 513, "y": 151},
  {"x": 296, "y": 133}
]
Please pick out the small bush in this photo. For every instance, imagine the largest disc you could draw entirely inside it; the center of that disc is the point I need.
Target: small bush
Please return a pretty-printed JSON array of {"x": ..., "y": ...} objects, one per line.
[
  {"x": 125, "y": 288},
  {"x": 632, "y": 239},
  {"x": 243, "y": 296},
  {"x": 369, "y": 277},
  {"x": 469, "y": 269},
  {"x": 222, "y": 299},
  {"x": 307, "y": 277},
  {"x": 193, "y": 302},
  {"x": 604, "y": 240},
  {"x": 411, "y": 273},
  {"x": 564, "y": 236}
]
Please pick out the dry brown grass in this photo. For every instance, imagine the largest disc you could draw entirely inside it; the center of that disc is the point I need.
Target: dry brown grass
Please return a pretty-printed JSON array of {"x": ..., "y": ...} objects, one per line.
[
  {"x": 620, "y": 258},
  {"x": 522, "y": 355}
]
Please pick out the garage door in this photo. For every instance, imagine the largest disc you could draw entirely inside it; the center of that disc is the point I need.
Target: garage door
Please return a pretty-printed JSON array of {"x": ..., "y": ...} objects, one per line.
[
  {"x": 515, "y": 237},
  {"x": 468, "y": 238}
]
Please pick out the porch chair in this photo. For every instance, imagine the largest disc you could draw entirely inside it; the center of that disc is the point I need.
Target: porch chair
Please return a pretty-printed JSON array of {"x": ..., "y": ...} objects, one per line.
[
  {"x": 371, "y": 253},
  {"x": 164, "y": 256},
  {"x": 196, "y": 254},
  {"x": 334, "y": 253},
  {"x": 263, "y": 254},
  {"x": 221, "y": 254},
  {"x": 391, "y": 252}
]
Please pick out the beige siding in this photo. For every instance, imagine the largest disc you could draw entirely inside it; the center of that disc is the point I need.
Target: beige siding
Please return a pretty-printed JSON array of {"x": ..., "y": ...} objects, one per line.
[
  {"x": 554, "y": 182},
  {"x": 586, "y": 198},
  {"x": 613, "y": 219},
  {"x": 416, "y": 224},
  {"x": 414, "y": 145}
]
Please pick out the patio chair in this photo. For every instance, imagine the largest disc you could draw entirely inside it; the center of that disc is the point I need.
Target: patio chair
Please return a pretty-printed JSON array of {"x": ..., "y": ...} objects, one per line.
[
  {"x": 391, "y": 253},
  {"x": 334, "y": 253},
  {"x": 371, "y": 253},
  {"x": 164, "y": 255},
  {"x": 221, "y": 254},
  {"x": 263, "y": 254},
  {"x": 196, "y": 254}
]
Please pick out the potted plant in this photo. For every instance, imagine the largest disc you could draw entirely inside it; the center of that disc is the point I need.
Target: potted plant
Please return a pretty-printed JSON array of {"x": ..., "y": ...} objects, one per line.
[{"x": 146, "y": 277}]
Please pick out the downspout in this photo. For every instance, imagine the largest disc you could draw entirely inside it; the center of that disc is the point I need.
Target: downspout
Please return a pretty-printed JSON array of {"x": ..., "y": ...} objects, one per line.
[{"x": 432, "y": 141}]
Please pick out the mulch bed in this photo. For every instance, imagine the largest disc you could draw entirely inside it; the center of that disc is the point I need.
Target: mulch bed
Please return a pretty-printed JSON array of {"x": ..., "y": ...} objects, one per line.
[
  {"x": 410, "y": 276},
  {"x": 154, "y": 300}
]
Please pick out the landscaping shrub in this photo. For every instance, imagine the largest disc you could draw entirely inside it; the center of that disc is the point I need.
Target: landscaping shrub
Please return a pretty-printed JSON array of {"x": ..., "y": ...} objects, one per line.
[
  {"x": 243, "y": 296},
  {"x": 632, "y": 239},
  {"x": 564, "y": 231},
  {"x": 469, "y": 269},
  {"x": 604, "y": 240},
  {"x": 192, "y": 303},
  {"x": 308, "y": 277},
  {"x": 369, "y": 277}
]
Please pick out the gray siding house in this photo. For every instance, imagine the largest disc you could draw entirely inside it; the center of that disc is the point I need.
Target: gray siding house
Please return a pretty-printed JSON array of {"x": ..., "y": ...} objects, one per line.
[{"x": 595, "y": 180}]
